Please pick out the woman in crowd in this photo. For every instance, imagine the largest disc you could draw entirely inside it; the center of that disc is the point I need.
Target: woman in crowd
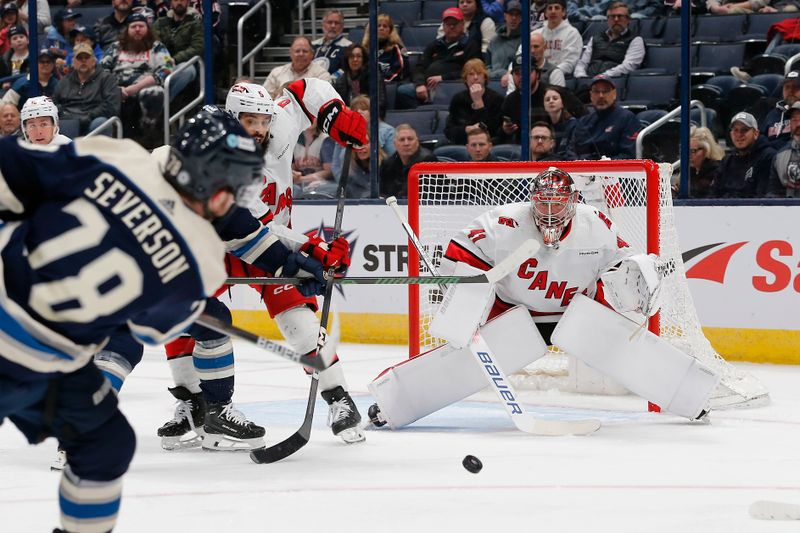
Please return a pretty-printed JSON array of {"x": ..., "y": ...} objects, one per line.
[
  {"x": 704, "y": 158},
  {"x": 354, "y": 80},
  {"x": 391, "y": 50},
  {"x": 561, "y": 119},
  {"x": 385, "y": 131},
  {"x": 358, "y": 181},
  {"x": 477, "y": 103}
]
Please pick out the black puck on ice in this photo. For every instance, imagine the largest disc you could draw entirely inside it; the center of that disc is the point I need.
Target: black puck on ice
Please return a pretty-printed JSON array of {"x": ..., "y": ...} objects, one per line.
[{"x": 472, "y": 463}]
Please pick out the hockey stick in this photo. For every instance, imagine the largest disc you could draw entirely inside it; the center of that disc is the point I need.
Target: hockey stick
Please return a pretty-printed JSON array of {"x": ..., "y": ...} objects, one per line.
[
  {"x": 483, "y": 356},
  {"x": 369, "y": 280},
  {"x": 218, "y": 325},
  {"x": 770, "y": 510},
  {"x": 300, "y": 437}
]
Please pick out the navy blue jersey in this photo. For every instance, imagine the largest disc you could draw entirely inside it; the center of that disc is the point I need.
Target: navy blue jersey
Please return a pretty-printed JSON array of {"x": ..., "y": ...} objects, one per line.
[{"x": 95, "y": 239}]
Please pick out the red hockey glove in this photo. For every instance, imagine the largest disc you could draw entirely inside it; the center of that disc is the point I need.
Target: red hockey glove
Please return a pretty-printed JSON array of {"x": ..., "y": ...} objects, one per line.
[
  {"x": 342, "y": 124},
  {"x": 335, "y": 255}
]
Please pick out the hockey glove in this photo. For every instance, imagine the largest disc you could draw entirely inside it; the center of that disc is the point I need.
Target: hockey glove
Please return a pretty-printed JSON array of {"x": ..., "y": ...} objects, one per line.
[
  {"x": 335, "y": 255},
  {"x": 342, "y": 124},
  {"x": 299, "y": 264}
]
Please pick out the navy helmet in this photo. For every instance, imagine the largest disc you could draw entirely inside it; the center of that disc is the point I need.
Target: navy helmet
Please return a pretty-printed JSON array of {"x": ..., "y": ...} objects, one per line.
[{"x": 212, "y": 151}]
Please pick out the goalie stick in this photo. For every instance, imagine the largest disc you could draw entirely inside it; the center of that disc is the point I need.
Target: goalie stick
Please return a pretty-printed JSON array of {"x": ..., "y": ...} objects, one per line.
[
  {"x": 280, "y": 350},
  {"x": 497, "y": 379},
  {"x": 770, "y": 510},
  {"x": 300, "y": 438}
]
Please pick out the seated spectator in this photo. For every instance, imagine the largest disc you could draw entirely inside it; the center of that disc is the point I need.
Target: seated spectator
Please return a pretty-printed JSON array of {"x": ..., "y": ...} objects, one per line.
[
  {"x": 394, "y": 169},
  {"x": 359, "y": 184},
  {"x": 744, "y": 173},
  {"x": 549, "y": 74},
  {"x": 9, "y": 120},
  {"x": 510, "y": 110},
  {"x": 443, "y": 59},
  {"x": 479, "y": 144},
  {"x": 477, "y": 25},
  {"x": 704, "y": 158},
  {"x": 563, "y": 42},
  {"x": 612, "y": 52},
  {"x": 386, "y": 132},
  {"x": 181, "y": 31},
  {"x": 476, "y": 103},
  {"x": 503, "y": 48},
  {"x": 18, "y": 93},
  {"x": 775, "y": 126},
  {"x": 329, "y": 49},
  {"x": 140, "y": 64},
  {"x": 109, "y": 29},
  {"x": 354, "y": 80},
  {"x": 784, "y": 176},
  {"x": 308, "y": 168},
  {"x": 42, "y": 14},
  {"x": 392, "y": 51},
  {"x": 88, "y": 94},
  {"x": 39, "y": 118},
  {"x": 608, "y": 131},
  {"x": 301, "y": 66},
  {"x": 729, "y": 7},
  {"x": 562, "y": 121},
  {"x": 9, "y": 17},
  {"x": 543, "y": 142},
  {"x": 78, "y": 35},
  {"x": 64, "y": 22},
  {"x": 15, "y": 61}
]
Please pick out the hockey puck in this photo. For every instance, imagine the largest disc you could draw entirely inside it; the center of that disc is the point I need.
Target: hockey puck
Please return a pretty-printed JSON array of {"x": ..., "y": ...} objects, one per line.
[{"x": 472, "y": 464}]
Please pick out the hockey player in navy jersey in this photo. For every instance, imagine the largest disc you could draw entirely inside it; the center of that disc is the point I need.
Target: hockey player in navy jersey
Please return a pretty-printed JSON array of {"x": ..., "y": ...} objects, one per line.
[
  {"x": 207, "y": 364},
  {"x": 97, "y": 240}
]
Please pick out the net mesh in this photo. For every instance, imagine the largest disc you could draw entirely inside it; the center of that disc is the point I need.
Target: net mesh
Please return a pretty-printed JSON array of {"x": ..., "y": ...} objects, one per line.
[{"x": 448, "y": 198}]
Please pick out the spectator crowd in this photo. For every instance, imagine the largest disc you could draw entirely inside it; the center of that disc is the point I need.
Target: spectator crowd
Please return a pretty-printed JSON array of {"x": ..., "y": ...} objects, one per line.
[{"x": 467, "y": 78}]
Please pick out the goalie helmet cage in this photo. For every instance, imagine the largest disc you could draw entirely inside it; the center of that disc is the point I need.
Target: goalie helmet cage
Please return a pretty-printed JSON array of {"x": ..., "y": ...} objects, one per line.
[{"x": 443, "y": 198}]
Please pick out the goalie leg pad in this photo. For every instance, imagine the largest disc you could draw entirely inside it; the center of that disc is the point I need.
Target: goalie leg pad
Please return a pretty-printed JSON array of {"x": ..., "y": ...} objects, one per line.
[
  {"x": 430, "y": 381},
  {"x": 645, "y": 364},
  {"x": 464, "y": 307}
]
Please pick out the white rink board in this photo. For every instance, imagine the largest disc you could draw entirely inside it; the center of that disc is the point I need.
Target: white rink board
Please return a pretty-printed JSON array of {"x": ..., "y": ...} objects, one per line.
[{"x": 771, "y": 251}]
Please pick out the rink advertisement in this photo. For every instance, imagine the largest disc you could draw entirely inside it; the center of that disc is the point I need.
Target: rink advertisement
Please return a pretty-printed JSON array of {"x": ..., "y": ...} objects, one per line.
[{"x": 743, "y": 272}]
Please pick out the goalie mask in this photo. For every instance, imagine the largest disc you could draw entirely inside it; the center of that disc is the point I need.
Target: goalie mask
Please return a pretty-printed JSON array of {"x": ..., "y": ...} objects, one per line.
[
  {"x": 39, "y": 106},
  {"x": 553, "y": 199},
  {"x": 255, "y": 100}
]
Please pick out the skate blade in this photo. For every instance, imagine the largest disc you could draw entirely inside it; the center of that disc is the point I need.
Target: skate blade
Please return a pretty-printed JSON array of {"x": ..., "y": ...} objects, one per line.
[
  {"x": 222, "y": 443},
  {"x": 172, "y": 444},
  {"x": 352, "y": 435}
]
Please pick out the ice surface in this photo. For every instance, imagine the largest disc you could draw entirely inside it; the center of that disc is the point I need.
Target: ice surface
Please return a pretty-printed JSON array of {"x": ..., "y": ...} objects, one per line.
[{"x": 640, "y": 473}]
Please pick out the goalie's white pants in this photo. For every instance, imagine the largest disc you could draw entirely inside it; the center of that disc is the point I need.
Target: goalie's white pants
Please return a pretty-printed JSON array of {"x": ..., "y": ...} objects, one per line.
[
  {"x": 420, "y": 386},
  {"x": 638, "y": 360}
]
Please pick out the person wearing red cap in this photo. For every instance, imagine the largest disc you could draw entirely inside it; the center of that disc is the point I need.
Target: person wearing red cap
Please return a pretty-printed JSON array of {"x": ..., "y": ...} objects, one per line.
[
  {"x": 477, "y": 24},
  {"x": 443, "y": 59}
]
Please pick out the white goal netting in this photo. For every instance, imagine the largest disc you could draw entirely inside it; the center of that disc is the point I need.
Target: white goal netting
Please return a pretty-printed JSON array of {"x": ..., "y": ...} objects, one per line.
[{"x": 445, "y": 197}]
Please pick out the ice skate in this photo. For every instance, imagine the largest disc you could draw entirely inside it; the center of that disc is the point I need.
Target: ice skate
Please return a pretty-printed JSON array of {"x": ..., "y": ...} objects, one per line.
[
  {"x": 60, "y": 461},
  {"x": 375, "y": 416},
  {"x": 227, "y": 429},
  {"x": 343, "y": 415},
  {"x": 185, "y": 430}
]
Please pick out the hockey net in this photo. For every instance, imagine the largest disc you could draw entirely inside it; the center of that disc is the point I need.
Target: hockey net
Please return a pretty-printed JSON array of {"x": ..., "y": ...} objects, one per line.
[{"x": 445, "y": 197}]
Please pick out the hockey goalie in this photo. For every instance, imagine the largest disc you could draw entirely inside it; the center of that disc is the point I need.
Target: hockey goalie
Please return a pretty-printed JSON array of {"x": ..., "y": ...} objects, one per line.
[{"x": 572, "y": 292}]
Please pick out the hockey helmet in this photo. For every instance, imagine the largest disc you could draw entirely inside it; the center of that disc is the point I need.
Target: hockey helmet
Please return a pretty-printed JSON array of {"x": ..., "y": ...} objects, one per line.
[
  {"x": 248, "y": 98},
  {"x": 212, "y": 151},
  {"x": 553, "y": 199},
  {"x": 39, "y": 106}
]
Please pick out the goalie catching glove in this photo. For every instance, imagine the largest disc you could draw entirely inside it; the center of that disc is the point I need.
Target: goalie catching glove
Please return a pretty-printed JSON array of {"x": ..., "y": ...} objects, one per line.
[
  {"x": 335, "y": 255},
  {"x": 635, "y": 284},
  {"x": 344, "y": 125}
]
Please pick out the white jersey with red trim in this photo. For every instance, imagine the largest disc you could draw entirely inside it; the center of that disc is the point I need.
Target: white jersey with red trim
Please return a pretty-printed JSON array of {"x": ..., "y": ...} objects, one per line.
[
  {"x": 294, "y": 111},
  {"x": 546, "y": 282}
]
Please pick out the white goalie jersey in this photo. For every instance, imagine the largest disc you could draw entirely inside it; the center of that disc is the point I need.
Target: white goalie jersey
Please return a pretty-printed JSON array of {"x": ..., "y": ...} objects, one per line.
[{"x": 547, "y": 282}]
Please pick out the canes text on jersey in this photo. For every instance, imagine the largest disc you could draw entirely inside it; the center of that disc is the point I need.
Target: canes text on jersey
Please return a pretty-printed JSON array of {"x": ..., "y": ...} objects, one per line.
[
  {"x": 156, "y": 240},
  {"x": 553, "y": 289}
]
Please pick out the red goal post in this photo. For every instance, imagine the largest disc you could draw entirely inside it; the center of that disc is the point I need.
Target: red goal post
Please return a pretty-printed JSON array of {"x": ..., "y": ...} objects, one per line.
[{"x": 636, "y": 194}]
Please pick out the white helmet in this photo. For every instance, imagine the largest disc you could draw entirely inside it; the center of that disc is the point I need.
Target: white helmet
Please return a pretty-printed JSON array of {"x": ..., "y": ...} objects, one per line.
[
  {"x": 39, "y": 106},
  {"x": 248, "y": 98}
]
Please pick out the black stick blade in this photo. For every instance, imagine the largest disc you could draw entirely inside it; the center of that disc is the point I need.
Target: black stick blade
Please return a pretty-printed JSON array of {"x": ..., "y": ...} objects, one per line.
[{"x": 279, "y": 451}]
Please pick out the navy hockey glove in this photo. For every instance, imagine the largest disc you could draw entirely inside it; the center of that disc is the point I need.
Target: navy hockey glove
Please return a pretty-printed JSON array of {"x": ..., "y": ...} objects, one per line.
[{"x": 297, "y": 262}]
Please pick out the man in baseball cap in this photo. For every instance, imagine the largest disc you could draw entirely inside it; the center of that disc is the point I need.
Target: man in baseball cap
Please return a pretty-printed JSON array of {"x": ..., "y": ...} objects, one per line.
[
  {"x": 504, "y": 44},
  {"x": 744, "y": 173},
  {"x": 776, "y": 127}
]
